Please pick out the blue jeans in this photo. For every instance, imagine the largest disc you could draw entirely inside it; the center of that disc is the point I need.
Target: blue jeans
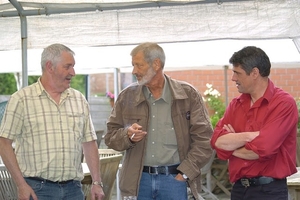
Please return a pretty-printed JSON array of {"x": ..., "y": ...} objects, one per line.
[
  {"x": 161, "y": 187},
  {"x": 45, "y": 190}
]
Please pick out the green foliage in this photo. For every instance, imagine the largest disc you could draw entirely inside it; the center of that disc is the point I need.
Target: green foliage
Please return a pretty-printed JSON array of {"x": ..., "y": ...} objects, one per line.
[
  {"x": 214, "y": 102},
  {"x": 8, "y": 84},
  {"x": 32, "y": 79},
  {"x": 78, "y": 82}
]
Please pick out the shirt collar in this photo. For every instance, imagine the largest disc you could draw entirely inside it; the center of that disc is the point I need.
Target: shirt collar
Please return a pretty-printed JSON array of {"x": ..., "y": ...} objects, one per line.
[
  {"x": 39, "y": 87},
  {"x": 166, "y": 93},
  {"x": 41, "y": 90},
  {"x": 267, "y": 95}
]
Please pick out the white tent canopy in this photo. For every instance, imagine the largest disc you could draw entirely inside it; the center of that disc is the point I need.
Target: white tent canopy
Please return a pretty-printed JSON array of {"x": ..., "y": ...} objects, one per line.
[
  {"x": 134, "y": 22},
  {"x": 193, "y": 33}
]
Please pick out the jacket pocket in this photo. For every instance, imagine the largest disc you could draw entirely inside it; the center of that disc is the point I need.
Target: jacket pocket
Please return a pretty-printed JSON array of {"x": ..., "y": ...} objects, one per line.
[{"x": 134, "y": 118}]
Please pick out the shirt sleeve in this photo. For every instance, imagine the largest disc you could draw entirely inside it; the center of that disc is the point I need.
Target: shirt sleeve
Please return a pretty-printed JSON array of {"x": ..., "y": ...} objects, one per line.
[
  {"x": 219, "y": 131},
  {"x": 12, "y": 120},
  {"x": 278, "y": 124}
]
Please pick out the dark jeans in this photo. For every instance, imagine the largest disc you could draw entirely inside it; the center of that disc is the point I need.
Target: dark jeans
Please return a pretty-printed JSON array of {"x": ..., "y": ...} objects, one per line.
[
  {"x": 161, "y": 187},
  {"x": 50, "y": 191},
  {"x": 276, "y": 190}
]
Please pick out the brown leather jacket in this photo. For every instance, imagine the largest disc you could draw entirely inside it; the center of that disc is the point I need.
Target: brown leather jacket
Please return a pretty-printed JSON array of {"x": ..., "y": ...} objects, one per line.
[{"x": 192, "y": 127}]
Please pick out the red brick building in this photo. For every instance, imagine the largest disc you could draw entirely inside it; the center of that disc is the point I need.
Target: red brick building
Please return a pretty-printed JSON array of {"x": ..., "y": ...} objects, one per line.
[{"x": 285, "y": 76}]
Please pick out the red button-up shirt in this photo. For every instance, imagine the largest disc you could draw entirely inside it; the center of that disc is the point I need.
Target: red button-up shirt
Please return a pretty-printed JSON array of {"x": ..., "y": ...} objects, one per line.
[{"x": 275, "y": 116}]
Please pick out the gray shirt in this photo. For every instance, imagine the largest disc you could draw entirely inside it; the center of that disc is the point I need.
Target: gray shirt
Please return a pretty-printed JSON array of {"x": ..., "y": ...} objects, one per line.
[{"x": 161, "y": 147}]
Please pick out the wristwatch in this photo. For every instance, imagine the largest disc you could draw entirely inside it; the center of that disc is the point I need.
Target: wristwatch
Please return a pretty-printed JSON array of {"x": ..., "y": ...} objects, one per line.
[
  {"x": 97, "y": 183},
  {"x": 184, "y": 176}
]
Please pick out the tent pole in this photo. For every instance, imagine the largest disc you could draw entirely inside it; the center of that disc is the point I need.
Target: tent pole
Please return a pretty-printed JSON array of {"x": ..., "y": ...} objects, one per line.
[
  {"x": 24, "y": 51},
  {"x": 87, "y": 87},
  {"x": 23, "y": 19},
  {"x": 226, "y": 85},
  {"x": 116, "y": 82}
]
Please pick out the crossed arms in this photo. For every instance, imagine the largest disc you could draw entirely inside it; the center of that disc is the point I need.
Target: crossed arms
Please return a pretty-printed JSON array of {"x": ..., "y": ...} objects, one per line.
[{"x": 236, "y": 142}]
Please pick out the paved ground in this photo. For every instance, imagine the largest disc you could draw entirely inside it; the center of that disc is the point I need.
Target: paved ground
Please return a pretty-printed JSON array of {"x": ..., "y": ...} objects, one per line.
[{"x": 221, "y": 196}]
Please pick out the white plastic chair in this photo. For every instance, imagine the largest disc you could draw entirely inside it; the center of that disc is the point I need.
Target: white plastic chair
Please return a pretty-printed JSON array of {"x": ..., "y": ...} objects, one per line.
[{"x": 8, "y": 189}]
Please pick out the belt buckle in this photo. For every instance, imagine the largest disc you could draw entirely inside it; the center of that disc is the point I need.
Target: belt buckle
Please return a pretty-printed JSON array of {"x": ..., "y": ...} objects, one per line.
[
  {"x": 153, "y": 170},
  {"x": 245, "y": 182}
]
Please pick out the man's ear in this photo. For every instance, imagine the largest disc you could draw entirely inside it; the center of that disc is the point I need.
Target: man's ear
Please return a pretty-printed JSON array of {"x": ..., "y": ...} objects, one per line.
[
  {"x": 156, "y": 64},
  {"x": 49, "y": 66},
  {"x": 255, "y": 72}
]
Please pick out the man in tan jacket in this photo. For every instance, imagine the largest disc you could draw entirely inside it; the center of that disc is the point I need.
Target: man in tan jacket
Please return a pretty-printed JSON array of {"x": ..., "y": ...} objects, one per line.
[{"x": 165, "y": 129}]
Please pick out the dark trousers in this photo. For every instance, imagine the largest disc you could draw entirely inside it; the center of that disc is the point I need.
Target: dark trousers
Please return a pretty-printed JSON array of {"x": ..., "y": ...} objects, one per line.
[{"x": 276, "y": 190}]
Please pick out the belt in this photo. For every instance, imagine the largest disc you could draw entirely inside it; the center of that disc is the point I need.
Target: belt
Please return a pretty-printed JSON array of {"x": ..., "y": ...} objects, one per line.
[
  {"x": 48, "y": 181},
  {"x": 161, "y": 169},
  {"x": 262, "y": 180}
]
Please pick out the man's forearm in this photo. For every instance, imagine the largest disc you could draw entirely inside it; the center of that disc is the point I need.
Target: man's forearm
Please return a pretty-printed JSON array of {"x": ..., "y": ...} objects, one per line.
[
  {"x": 231, "y": 141},
  {"x": 91, "y": 154},
  {"x": 245, "y": 154},
  {"x": 10, "y": 161}
]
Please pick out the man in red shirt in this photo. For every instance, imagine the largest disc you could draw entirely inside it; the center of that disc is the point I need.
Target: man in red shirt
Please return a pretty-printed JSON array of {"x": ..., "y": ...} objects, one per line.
[{"x": 258, "y": 131}]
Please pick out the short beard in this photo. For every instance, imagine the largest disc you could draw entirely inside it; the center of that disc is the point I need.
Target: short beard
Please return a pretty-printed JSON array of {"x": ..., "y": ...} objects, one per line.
[{"x": 148, "y": 77}]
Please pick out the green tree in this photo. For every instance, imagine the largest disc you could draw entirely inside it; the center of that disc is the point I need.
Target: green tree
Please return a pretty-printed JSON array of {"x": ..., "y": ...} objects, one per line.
[
  {"x": 78, "y": 82},
  {"x": 8, "y": 84},
  {"x": 32, "y": 79}
]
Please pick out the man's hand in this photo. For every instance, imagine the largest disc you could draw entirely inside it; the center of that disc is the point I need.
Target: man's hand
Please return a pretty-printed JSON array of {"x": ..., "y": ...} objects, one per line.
[
  {"x": 229, "y": 128},
  {"x": 135, "y": 133},
  {"x": 97, "y": 192},
  {"x": 25, "y": 192},
  {"x": 179, "y": 177}
]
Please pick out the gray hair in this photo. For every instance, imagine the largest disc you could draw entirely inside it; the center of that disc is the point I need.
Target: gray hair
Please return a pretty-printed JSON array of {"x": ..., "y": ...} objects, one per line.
[
  {"x": 151, "y": 52},
  {"x": 53, "y": 53}
]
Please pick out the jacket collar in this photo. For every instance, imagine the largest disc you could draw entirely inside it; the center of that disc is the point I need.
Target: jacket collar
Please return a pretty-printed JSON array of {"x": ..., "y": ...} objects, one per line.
[{"x": 176, "y": 90}]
